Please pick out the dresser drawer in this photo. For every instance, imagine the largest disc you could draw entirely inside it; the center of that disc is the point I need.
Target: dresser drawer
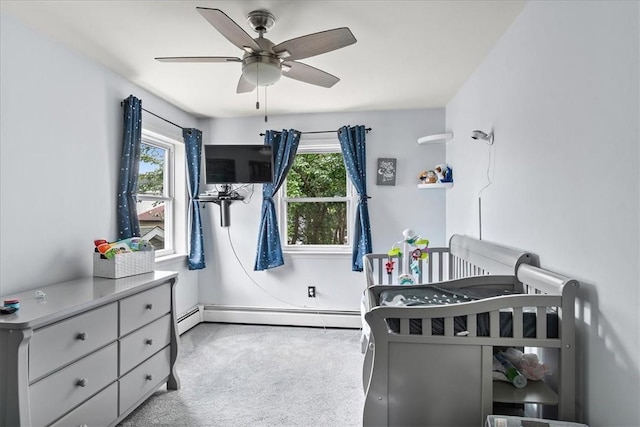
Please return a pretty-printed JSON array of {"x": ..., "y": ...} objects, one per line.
[
  {"x": 100, "y": 410},
  {"x": 139, "y": 345},
  {"x": 63, "y": 342},
  {"x": 64, "y": 390},
  {"x": 140, "y": 309},
  {"x": 143, "y": 379}
]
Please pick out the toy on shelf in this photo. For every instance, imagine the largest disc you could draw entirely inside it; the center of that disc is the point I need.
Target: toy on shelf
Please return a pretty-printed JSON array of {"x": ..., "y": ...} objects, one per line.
[
  {"x": 444, "y": 172},
  {"x": 428, "y": 177},
  {"x": 414, "y": 248},
  {"x": 438, "y": 175},
  {"x": 132, "y": 244}
]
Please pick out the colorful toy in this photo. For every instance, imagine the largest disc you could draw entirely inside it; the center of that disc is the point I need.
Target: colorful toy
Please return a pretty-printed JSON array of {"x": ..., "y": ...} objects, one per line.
[
  {"x": 444, "y": 172},
  {"x": 428, "y": 177},
  {"x": 389, "y": 266},
  {"x": 416, "y": 249},
  {"x": 133, "y": 244}
]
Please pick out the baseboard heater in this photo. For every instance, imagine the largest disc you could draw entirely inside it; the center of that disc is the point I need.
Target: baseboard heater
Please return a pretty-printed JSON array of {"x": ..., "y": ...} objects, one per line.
[
  {"x": 292, "y": 317},
  {"x": 189, "y": 319}
]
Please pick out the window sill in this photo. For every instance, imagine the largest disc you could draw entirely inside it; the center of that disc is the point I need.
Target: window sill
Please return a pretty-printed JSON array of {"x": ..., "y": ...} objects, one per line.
[
  {"x": 317, "y": 251},
  {"x": 169, "y": 258}
]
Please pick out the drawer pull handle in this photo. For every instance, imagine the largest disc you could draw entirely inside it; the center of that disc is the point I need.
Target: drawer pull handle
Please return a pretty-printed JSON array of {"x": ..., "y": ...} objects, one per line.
[
  {"x": 81, "y": 382},
  {"x": 81, "y": 336},
  {"x": 148, "y": 341},
  {"x": 83, "y": 425},
  {"x": 149, "y": 306},
  {"x": 148, "y": 377}
]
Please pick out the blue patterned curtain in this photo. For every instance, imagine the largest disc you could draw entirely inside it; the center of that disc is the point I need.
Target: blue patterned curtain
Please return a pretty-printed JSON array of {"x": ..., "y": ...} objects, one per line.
[
  {"x": 128, "y": 224},
  {"x": 285, "y": 145},
  {"x": 193, "y": 146},
  {"x": 353, "y": 150}
]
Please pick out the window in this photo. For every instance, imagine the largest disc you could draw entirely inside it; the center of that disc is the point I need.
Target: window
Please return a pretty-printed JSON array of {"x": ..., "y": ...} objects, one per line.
[
  {"x": 158, "y": 193},
  {"x": 317, "y": 199}
]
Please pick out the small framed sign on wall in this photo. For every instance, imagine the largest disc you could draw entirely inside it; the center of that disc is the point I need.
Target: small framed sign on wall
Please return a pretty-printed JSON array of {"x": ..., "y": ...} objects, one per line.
[{"x": 386, "y": 171}]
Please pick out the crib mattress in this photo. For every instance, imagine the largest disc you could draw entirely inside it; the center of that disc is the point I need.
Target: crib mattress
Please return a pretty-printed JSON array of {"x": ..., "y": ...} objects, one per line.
[{"x": 433, "y": 295}]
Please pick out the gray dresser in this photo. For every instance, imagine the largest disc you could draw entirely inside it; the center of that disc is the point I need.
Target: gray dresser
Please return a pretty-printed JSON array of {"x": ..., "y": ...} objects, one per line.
[{"x": 88, "y": 352}]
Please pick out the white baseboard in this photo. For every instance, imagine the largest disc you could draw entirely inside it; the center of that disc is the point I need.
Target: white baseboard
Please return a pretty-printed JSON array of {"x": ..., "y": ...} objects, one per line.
[
  {"x": 262, "y": 316},
  {"x": 189, "y": 319}
]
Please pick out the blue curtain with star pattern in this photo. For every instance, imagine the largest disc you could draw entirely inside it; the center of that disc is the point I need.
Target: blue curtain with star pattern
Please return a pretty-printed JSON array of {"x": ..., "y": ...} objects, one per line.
[
  {"x": 128, "y": 224},
  {"x": 352, "y": 143},
  {"x": 193, "y": 148},
  {"x": 284, "y": 145}
]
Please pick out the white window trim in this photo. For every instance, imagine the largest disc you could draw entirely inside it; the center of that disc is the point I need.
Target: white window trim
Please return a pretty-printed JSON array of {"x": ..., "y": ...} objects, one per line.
[
  {"x": 175, "y": 194},
  {"x": 318, "y": 146}
]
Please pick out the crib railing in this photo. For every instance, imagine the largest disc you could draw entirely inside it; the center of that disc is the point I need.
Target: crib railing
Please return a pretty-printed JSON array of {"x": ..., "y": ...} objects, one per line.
[{"x": 433, "y": 269}]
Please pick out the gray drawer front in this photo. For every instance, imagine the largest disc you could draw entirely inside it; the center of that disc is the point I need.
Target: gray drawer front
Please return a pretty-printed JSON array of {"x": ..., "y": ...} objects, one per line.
[
  {"x": 61, "y": 391},
  {"x": 140, "y": 309},
  {"x": 143, "y": 379},
  {"x": 61, "y": 343},
  {"x": 100, "y": 410},
  {"x": 139, "y": 345}
]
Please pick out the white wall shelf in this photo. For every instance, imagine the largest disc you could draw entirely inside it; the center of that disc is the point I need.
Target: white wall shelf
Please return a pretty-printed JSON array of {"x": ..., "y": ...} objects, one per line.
[
  {"x": 434, "y": 139},
  {"x": 436, "y": 185}
]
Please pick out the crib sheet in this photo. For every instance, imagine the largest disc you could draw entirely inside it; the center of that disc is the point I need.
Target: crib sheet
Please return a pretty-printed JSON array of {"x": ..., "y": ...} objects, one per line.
[{"x": 434, "y": 295}]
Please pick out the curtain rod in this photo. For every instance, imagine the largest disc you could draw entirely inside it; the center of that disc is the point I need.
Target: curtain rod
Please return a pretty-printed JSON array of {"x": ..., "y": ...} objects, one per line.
[
  {"x": 320, "y": 131},
  {"x": 160, "y": 117}
]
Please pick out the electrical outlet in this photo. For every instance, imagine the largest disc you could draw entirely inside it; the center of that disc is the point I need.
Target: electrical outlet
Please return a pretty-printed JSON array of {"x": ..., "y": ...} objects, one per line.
[{"x": 311, "y": 291}]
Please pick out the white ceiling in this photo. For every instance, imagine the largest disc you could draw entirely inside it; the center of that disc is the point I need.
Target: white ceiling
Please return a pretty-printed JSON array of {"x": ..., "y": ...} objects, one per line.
[{"x": 409, "y": 54}]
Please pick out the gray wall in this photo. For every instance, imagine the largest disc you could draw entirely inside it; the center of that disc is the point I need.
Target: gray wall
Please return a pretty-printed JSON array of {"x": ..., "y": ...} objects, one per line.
[
  {"x": 60, "y": 144},
  {"x": 561, "y": 90},
  {"x": 391, "y": 208}
]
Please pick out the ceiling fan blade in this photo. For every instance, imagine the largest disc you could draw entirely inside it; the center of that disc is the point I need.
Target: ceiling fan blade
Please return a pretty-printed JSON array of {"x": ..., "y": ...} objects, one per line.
[
  {"x": 228, "y": 28},
  {"x": 308, "y": 74},
  {"x": 244, "y": 86},
  {"x": 314, "y": 44},
  {"x": 198, "y": 59}
]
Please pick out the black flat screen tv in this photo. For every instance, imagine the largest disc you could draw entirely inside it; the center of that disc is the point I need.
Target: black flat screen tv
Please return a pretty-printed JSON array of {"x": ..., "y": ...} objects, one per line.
[{"x": 238, "y": 164}]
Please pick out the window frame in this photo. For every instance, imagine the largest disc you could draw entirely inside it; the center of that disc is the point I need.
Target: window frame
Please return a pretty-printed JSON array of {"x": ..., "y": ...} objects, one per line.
[
  {"x": 169, "y": 189},
  {"x": 317, "y": 146}
]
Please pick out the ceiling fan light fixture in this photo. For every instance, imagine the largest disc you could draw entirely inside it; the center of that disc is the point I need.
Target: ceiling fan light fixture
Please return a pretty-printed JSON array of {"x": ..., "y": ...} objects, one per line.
[{"x": 261, "y": 70}]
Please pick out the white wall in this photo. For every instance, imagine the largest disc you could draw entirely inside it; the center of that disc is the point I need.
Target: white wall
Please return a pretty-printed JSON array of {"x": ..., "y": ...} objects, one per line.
[
  {"x": 561, "y": 89},
  {"x": 391, "y": 208},
  {"x": 60, "y": 144}
]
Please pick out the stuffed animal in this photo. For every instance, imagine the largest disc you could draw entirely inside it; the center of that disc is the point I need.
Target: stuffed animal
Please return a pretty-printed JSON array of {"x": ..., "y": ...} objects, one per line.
[
  {"x": 133, "y": 244},
  {"x": 428, "y": 177},
  {"x": 444, "y": 172}
]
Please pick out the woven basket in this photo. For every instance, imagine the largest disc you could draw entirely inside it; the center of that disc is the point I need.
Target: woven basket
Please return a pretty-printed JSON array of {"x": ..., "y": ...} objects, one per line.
[{"x": 123, "y": 265}]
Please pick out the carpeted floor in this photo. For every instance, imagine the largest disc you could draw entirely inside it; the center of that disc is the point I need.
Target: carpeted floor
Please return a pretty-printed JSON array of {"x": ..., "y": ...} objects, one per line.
[{"x": 255, "y": 375}]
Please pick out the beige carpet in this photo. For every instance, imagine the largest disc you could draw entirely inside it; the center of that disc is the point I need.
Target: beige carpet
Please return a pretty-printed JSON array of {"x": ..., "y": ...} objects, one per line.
[{"x": 251, "y": 375}]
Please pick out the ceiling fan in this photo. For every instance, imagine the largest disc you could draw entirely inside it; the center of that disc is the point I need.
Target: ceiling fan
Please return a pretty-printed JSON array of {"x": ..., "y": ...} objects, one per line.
[{"x": 264, "y": 62}]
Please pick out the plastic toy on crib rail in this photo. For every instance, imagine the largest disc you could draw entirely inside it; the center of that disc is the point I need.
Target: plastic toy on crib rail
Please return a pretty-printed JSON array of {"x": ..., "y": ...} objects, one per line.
[{"x": 415, "y": 248}]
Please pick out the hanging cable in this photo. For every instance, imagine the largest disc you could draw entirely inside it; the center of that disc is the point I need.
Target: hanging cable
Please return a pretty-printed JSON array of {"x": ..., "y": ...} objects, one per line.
[
  {"x": 233, "y": 249},
  {"x": 489, "y": 182}
]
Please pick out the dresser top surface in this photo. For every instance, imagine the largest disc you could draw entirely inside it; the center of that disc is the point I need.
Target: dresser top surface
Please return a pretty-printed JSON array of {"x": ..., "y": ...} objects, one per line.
[{"x": 61, "y": 300}]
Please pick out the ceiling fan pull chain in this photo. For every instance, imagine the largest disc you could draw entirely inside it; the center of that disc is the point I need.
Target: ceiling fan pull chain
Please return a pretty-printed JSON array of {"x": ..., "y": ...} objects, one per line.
[{"x": 265, "y": 105}]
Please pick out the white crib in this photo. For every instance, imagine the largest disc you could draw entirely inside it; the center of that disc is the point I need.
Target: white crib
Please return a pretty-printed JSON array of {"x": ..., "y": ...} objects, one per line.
[{"x": 415, "y": 376}]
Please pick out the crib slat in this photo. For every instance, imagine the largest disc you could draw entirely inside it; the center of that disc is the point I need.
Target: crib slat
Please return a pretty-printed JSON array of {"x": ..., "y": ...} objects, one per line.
[
  {"x": 426, "y": 327},
  {"x": 430, "y": 269},
  {"x": 472, "y": 324},
  {"x": 448, "y": 326},
  {"x": 440, "y": 269},
  {"x": 517, "y": 322},
  {"x": 494, "y": 324},
  {"x": 541, "y": 322},
  {"x": 404, "y": 326}
]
